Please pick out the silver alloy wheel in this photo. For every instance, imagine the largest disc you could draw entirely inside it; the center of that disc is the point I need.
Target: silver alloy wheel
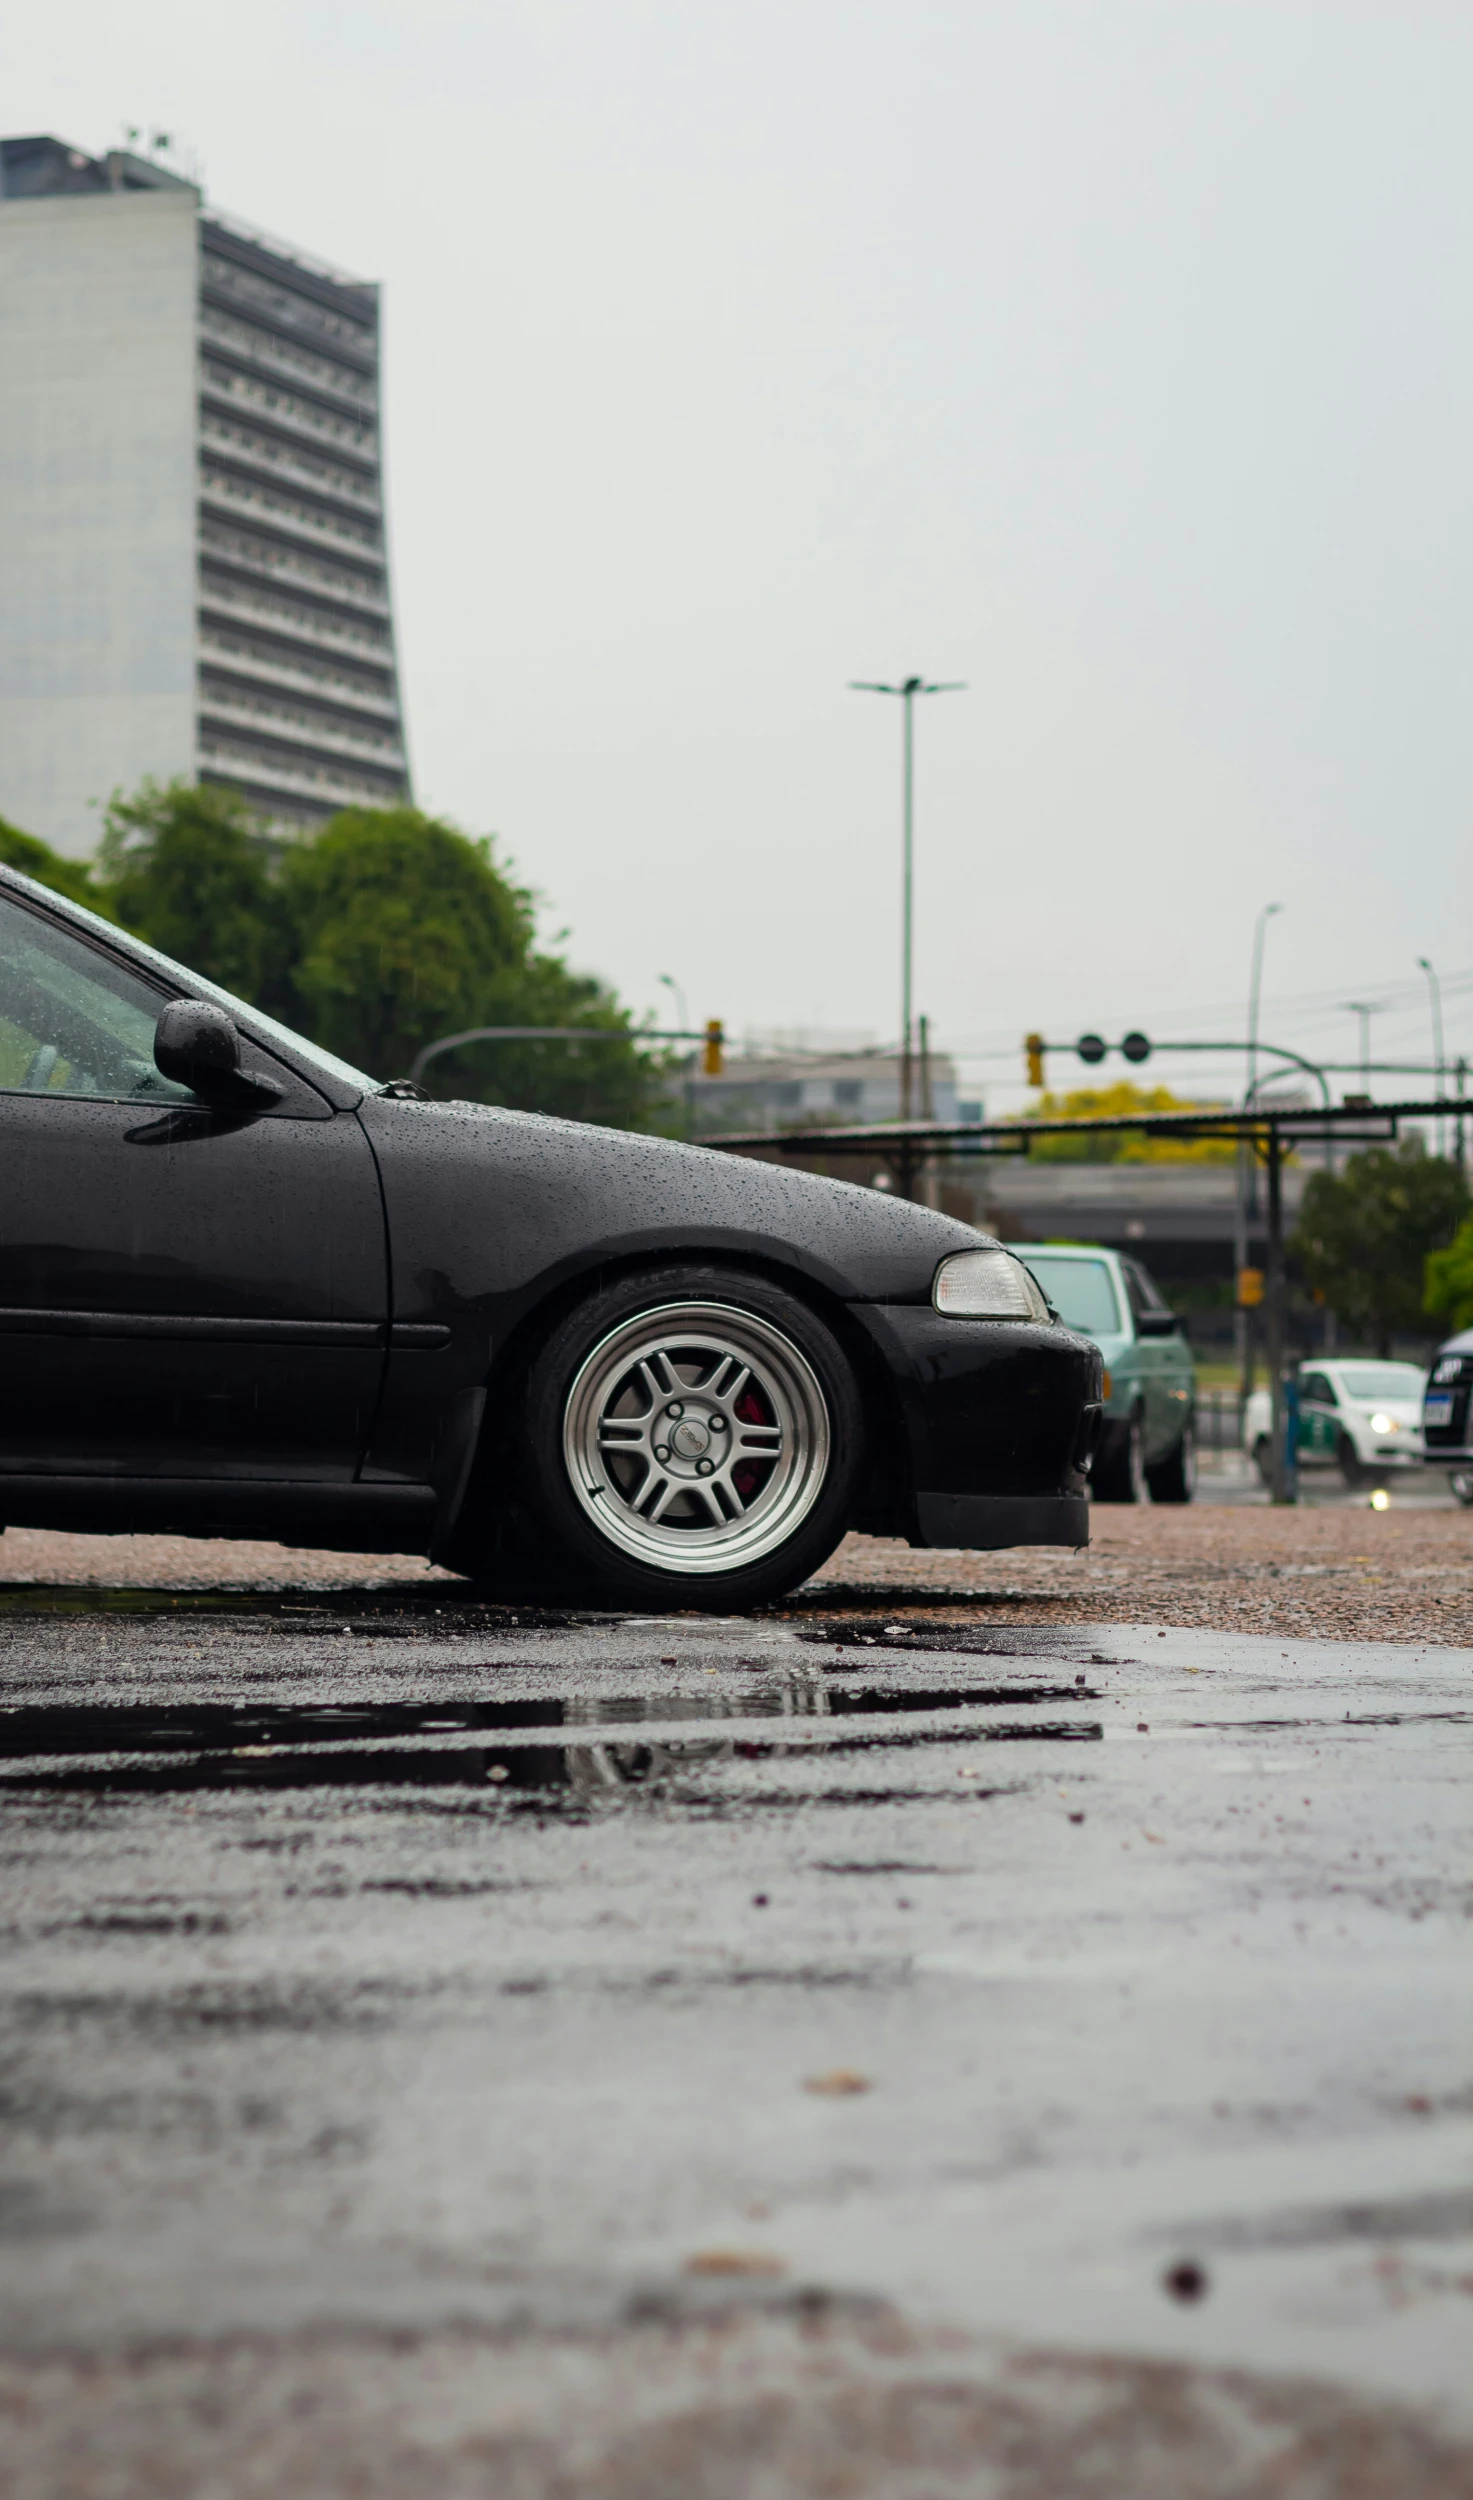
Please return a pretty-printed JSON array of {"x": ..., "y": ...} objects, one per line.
[{"x": 696, "y": 1437}]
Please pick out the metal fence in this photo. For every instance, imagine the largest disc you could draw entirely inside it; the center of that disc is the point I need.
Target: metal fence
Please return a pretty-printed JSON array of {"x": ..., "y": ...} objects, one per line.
[{"x": 1219, "y": 1422}]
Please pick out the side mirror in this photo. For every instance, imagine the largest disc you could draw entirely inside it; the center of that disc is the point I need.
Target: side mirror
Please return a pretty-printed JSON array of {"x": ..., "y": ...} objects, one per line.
[
  {"x": 1156, "y": 1323},
  {"x": 196, "y": 1044}
]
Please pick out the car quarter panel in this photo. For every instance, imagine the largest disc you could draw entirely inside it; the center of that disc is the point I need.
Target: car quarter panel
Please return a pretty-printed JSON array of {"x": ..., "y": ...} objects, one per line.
[{"x": 490, "y": 1212}]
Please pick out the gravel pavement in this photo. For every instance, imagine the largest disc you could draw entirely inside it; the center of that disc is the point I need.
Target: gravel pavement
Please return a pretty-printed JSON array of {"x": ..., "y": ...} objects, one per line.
[{"x": 1343, "y": 1571}]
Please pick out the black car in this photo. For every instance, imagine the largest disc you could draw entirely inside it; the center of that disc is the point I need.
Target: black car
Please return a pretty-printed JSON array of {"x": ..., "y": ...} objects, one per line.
[
  {"x": 1447, "y": 1414},
  {"x": 247, "y": 1291}
]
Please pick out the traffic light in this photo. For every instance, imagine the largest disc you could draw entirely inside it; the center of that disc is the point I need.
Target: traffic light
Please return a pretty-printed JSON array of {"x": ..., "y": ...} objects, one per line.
[
  {"x": 1033, "y": 1050},
  {"x": 1250, "y": 1288},
  {"x": 715, "y": 1044}
]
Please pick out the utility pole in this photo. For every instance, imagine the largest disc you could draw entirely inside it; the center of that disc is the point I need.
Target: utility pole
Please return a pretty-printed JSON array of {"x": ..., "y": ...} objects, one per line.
[
  {"x": 1435, "y": 990},
  {"x": 907, "y": 690},
  {"x": 1357, "y": 1007}
]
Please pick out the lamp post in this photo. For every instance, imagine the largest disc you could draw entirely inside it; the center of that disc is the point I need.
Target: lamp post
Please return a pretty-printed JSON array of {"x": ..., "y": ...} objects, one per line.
[
  {"x": 1434, "y": 987},
  {"x": 907, "y": 690},
  {"x": 667, "y": 981},
  {"x": 1247, "y": 1166},
  {"x": 1255, "y": 988}
]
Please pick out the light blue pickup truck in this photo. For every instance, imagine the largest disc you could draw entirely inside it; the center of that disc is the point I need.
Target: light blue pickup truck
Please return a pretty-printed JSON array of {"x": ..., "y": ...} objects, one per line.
[{"x": 1149, "y": 1443}]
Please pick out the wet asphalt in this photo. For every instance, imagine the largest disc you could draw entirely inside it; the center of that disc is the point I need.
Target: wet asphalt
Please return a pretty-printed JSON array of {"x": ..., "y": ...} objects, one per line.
[{"x": 388, "y": 1961}]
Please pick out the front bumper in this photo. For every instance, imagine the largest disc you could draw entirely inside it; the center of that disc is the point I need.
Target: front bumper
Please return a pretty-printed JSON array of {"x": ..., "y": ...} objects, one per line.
[
  {"x": 981, "y": 1522},
  {"x": 1000, "y": 1420}
]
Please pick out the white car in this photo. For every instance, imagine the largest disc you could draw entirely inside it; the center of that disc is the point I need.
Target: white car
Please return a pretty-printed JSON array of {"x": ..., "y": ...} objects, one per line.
[{"x": 1361, "y": 1416}]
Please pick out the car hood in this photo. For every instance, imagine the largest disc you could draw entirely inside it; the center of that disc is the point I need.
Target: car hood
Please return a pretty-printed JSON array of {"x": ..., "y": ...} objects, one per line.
[{"x": 505, "y": 1200}]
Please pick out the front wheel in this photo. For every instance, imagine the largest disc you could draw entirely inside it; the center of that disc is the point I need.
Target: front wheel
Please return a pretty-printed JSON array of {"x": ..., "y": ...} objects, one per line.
[
  {"x": 691, "y": 1438},
  {"x": 1174, "y": 1478},
  {"x": 1461, "y": 1486},
  {"x": 1353, "y": 1468}
]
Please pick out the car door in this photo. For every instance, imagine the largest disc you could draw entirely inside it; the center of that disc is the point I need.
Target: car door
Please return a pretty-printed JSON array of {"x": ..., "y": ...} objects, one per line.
[
  {"x": 187, "y": 1294},
  {"x": 1157, "y": 1359},
  {"x": 1319, "y": 1427}
]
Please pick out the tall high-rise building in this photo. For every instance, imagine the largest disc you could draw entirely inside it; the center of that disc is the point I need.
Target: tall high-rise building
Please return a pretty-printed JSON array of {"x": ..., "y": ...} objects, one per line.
[{"x": 193, "y": 571}]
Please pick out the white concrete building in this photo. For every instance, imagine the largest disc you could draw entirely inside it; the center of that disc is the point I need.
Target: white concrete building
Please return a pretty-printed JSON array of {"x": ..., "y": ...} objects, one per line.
[
  {"x": 792, "y": 1090},
  {"x": 193, "y": 572}
]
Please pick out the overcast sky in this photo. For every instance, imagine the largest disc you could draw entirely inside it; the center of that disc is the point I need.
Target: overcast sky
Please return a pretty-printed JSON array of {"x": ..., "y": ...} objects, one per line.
[{"x": 1114, "y": 356}]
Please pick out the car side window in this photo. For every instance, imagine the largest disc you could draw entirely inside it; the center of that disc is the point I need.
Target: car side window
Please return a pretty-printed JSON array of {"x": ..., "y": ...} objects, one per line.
[
  {"x": 71, "y": 1020},
  {"x": 1315, "y": 1390},
  {"x": 1140, "y": 1290}
]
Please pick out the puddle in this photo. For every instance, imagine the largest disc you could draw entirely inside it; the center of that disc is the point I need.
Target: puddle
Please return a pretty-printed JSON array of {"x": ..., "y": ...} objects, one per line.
[
  {"x": 1445, "y": 2214},
  {"x": 132, "y": 1727},
  {"x": 961, "y": 1640},
  {"x": 410, "y": 1610},
  {"x": 107, "y": 1749}
]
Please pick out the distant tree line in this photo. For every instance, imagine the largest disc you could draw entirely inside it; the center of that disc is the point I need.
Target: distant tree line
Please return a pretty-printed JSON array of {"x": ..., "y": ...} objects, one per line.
[
  {"x": 374, "y": 935},
  {"x": 1386, "y": 1243}
]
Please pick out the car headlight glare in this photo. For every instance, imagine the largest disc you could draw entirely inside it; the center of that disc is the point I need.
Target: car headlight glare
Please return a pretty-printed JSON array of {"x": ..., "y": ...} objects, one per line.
[
  {"x": 987, "y": 1284},
  {"x": 1383, "y": 1423}
]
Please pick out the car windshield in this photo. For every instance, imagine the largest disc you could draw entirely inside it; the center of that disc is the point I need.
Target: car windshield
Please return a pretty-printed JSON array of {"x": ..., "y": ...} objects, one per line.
[
  {"x": 1383, "y": 1380},
  {"x": 1082, "y": 1291}
]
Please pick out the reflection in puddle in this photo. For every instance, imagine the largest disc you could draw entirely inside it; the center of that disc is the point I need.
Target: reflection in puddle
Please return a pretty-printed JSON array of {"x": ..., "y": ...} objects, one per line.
[{"x": 153, "y": 1750}]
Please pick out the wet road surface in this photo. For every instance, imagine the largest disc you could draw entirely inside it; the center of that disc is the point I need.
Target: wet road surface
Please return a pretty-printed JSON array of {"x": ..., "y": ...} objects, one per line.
[{"x": 379, "y": 1968}]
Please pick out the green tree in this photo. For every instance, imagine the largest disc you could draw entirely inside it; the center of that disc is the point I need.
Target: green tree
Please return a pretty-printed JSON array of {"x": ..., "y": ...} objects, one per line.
[
  {"x": 1449, "y": 1280},
  {"x": 402, "y": 927},
  {"x": 1365, "y": 1234},
  {"x": 34, "y": 858},
  {"x": 190, "y": 870},
  {"x": 405, "y": 929},
  {"x": 1117, "y": 1102},
  {"x": 376, "y": 934}
]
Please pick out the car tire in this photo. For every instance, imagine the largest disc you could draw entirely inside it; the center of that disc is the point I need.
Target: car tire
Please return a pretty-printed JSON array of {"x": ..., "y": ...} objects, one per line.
[
  {"x": 752, "y": 1484},
  {"x": 1460, "y": 1484},
  {"x": 1119, "y": 1470},
  {"x": 1174, "y": 1478},
  {"x": 1352, "y": 1466}
]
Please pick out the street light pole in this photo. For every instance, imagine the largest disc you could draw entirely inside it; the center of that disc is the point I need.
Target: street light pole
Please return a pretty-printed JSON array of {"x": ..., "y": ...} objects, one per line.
[
  {"x": 1435, "y": 989},
  {"x": 1247, "y": 1163},
  {"x": 667, "y": 981},
  {"x": 907, "y": 690},
  {"x": 1255, "y": 988}
]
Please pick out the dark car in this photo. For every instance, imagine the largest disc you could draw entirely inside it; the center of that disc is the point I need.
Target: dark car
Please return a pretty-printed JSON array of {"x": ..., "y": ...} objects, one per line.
[
  {"x": 245, "y": 1290},
  {"x": 1447, "y": 1413}
]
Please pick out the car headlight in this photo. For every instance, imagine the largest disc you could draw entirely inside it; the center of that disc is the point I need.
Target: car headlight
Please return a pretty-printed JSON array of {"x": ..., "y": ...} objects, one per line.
[
  {"x": 987, "y": 1284},
  {"x": 1384, "y": 1423}
]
